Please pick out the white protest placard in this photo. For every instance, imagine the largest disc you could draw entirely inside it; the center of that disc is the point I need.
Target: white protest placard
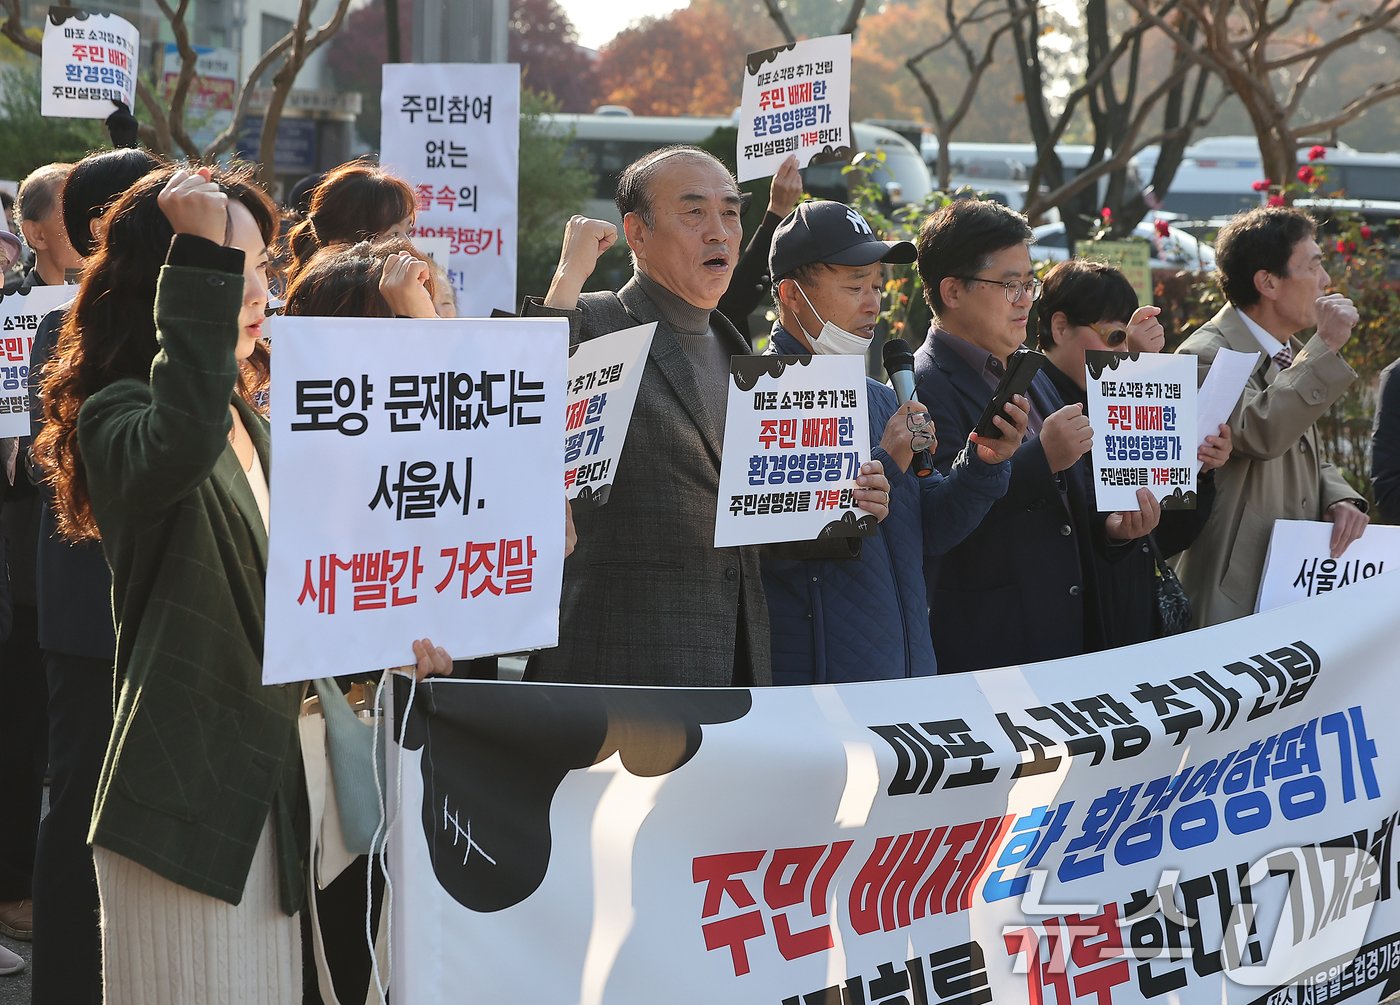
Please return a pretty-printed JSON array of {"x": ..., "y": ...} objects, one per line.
[
  {"x": 89, "y": 60},
  {"x": 452, "y": 131},
  {"x": 797, "y": 99},
  {"x": 1299, "y": 563},
  {"x": 1220, "y": 392},
  {"x": 1143, "y": 409},
  {"x": 20, "y": 314},
  {"x": 439, "y": 249},
  {"x": 796, "y": 433},
  {"x": 604, "y": 374},
  {"x": 416, "y": 465}
]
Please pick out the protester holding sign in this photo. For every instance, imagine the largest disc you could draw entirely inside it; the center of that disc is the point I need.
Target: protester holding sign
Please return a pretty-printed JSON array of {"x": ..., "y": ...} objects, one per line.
[
  {"x": 1090, "y": 305},
  {"x": 848, "y": 609},
  {"x": 1030, "y": 560},
  {"x": 194, "y": 831},
  {"x": 648, "y": 598},
  {"x": 751, "y": 278},
  {"x": 1271, "y": 272}
]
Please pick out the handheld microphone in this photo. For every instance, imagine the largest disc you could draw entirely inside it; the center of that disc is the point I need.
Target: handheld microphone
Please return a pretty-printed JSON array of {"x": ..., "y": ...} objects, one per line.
[{"x": 899, "y": 364}]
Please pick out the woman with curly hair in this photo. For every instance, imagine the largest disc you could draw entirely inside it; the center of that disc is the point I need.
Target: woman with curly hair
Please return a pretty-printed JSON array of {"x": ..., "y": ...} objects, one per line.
[{"x": 151, "y": 446}]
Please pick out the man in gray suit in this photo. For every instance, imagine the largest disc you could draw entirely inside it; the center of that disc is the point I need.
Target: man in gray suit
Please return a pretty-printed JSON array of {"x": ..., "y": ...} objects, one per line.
[
  {"x": 1271, "y": 271},
  {"x": 648, "y": 598}
]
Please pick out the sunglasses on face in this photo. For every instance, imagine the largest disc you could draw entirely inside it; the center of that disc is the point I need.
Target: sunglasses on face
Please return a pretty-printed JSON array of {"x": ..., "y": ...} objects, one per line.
[{"x": 1112, "y": 338}]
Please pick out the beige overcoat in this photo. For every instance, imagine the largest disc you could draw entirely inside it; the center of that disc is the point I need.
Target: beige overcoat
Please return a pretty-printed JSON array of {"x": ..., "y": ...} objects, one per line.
[{"x": 1274, "y": 472}]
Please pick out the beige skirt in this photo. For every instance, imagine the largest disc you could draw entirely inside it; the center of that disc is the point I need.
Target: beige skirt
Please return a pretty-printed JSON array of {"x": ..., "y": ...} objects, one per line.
[{"x": 164, "y": 944}]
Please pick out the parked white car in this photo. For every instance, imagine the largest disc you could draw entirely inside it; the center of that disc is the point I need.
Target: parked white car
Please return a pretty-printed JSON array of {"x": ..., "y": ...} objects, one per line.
[{"x": 1176, "y": 250}]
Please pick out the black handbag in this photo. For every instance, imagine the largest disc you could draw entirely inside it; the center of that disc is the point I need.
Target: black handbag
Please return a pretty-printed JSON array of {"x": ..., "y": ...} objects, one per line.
[{"x": 1173, "y": 606}]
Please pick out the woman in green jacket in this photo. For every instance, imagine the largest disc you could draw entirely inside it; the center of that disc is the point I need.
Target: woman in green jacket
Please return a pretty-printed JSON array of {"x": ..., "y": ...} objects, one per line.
[{"x": 199, "y": 827}]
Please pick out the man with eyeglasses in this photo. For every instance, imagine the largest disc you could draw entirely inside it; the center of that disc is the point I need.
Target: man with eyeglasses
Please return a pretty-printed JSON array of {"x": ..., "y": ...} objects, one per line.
[
  {"x": 1019, "y": 589},
  {"x": 853, "y": 609}
]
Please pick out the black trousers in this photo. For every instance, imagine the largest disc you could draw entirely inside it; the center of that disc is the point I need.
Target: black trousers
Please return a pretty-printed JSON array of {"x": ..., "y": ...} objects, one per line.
[
  {"x": 67, "y": 966},
  {"x": 23, "y": 751}
]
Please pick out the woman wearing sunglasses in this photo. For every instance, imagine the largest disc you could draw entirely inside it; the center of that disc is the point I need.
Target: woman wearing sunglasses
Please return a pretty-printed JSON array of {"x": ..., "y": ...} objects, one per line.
[{"x": 1090, "y": 305}]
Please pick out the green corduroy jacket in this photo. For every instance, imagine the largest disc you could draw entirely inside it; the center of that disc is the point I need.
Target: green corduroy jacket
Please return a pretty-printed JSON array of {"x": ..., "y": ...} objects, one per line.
[{"x": 201, "y": 751}]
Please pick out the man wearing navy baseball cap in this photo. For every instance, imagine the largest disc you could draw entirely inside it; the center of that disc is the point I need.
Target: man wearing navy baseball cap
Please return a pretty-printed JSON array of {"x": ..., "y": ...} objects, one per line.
[{"x": 854, "y": 609}]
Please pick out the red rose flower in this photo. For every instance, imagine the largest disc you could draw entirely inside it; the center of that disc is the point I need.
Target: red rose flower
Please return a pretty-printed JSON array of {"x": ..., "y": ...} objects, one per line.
[
  {"x": 1307, "y": 175},
  {"x": 1107, "y": 214},
  {"x": 1163, "y": 228},
  {"x": 1317, "y": 153},
  {"x": 1276, "y": 200},
  {"x": 1365, "y": 232},
  {"x": 1262, "y": 184}
]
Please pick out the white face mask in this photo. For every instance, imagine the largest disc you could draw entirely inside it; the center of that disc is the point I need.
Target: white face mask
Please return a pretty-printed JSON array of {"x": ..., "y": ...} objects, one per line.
[{"x": 831, "y": 341}]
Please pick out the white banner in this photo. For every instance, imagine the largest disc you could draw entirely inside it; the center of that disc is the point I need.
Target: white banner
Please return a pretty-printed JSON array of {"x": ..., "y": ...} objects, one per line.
[
  {"x": 1143, "y": 409},
  {"x": 452, "y": 130},
  {"x": 797, "y": 99},
  {"x": 604, "y": 375},
  {"x": 20, "y": 314},
  {"x": 1209, "y": 818},
  {"x": 89, "y": 60},
  {"x": 1299, "y": 563},
  {"x": 416, "y": 465},
  {"x": 795, "y": 435}
]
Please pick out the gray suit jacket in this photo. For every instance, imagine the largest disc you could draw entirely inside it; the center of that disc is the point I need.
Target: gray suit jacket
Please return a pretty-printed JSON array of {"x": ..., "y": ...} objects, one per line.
[
  {"x": 1274, "y": 471},
  {"x": 648, "y": 598}
]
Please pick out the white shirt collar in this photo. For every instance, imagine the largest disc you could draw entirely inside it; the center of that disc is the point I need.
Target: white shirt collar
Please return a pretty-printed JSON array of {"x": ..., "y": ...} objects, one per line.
[{"x": 1271, "y": 346}]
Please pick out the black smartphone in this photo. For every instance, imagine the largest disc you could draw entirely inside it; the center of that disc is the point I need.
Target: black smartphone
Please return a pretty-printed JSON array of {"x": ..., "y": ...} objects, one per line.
[{"x": 1020, "y": 370}]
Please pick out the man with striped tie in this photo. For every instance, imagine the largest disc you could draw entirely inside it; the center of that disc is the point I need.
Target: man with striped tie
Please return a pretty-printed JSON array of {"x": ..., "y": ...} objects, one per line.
[{"x": 1270, "y": 270}]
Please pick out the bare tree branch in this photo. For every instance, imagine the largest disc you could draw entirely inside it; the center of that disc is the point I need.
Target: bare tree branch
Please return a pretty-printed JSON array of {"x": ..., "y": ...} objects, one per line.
[
  {"x": 1252, "y": 65},
  {"x": 188, "y": 63},
  {"x": 780, "y": 19},
  {"x": 302, "y": 47},
  {"x": 977, "y": 65},
  {"x": 852, "y": 18},
  {"x": 13, "y": 30}
]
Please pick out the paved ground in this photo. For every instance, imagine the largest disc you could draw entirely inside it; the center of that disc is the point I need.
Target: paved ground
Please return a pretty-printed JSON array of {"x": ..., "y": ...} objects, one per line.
[{"x": 14, "y": 990}]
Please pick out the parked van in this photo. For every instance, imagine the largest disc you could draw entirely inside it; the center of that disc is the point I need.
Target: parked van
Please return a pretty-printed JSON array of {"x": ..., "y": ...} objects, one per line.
[{"x": 606, "y": 144}]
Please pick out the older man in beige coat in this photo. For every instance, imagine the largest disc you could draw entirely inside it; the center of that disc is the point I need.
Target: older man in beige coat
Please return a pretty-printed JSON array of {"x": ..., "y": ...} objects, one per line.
[{"x": 1271, "y": 272}]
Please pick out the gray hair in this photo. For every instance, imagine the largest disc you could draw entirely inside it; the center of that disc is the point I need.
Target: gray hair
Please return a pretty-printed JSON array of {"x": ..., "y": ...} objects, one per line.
[{"x": 39, "y": 193}]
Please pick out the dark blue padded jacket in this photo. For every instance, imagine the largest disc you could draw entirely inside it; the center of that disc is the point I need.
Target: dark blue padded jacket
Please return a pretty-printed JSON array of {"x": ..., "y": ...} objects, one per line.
[{"x": 856, "y": 609}]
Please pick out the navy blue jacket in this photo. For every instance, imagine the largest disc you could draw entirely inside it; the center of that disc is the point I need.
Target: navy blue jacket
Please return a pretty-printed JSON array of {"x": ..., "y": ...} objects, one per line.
[
  {"x": 856, "y": 609},
  {"x": 1015, "y": 590}
]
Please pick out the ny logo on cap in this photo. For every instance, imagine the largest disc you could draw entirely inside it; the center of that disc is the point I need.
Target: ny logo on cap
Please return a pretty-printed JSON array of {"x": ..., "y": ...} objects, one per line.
[{"x": 858, "y": 222}]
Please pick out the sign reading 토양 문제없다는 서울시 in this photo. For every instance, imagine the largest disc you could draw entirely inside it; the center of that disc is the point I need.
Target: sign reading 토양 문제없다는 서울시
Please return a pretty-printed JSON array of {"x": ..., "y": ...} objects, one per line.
[{"x": 417, "y": 465}]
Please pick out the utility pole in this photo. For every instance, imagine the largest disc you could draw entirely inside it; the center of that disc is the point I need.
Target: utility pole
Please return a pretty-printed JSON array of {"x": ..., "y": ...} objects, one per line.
[{"x": 460, "y": 31}]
